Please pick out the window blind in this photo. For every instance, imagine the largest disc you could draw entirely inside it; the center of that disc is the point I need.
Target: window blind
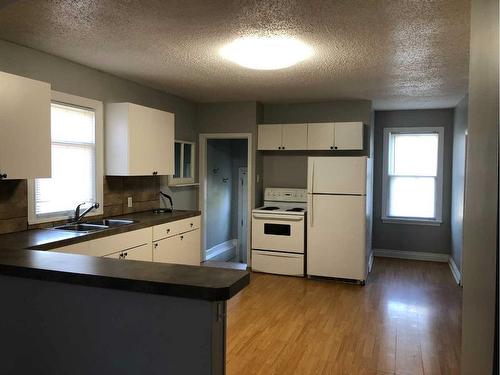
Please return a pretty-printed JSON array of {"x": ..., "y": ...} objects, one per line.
[
  {"x": 412, "y": 174},
  {"x": 73, "y": 178}
]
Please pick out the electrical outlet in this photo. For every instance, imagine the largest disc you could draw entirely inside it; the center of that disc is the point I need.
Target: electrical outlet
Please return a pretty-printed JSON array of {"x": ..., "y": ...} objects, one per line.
[{"x": 129, "y": 201}]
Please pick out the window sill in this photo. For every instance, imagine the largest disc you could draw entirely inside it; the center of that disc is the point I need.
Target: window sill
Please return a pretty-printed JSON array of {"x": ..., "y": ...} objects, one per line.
[{"x": 390, "y": 220}]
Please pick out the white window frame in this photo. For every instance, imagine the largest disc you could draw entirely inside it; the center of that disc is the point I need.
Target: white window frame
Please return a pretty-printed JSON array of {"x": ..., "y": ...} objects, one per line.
[
  {"x": 97, "y": 107},
  {"x": 177, "y": 181},
  {"x": 439, "y": 177}
]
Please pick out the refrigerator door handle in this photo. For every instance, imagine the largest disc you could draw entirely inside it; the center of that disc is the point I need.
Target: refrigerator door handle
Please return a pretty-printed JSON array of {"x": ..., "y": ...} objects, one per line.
[
  {"x": 312, "y": 179},
  {"x": 311, "y": 196}
]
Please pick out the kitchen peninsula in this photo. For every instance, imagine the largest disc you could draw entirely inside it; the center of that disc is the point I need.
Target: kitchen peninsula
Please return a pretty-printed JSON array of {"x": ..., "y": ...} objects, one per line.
[{"x": 80, "y": 314}]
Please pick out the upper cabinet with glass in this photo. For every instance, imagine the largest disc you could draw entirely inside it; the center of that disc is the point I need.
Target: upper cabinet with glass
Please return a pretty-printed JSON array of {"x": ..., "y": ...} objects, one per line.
[
  {"x": 139, "y": 140},
  {"x": 184, "y": 164}
]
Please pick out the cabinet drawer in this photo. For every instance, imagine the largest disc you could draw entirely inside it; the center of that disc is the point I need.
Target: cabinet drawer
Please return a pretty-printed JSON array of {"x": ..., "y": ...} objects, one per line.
[
  {"x": 175, "y": 227},
  {"x": 144, "y": 253},
  {"x": 120, "y": 242},
  {"x": 181, "y": 249},
  {"x": 278, "y": 263}
]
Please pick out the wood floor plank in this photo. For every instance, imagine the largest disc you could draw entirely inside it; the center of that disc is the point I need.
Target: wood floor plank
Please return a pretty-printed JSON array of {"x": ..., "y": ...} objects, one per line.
[{"x": 406, "y": 320}]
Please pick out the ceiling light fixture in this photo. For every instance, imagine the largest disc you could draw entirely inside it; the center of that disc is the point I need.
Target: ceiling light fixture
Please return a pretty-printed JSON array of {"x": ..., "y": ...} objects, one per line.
[{"x": 266, "y": 53}]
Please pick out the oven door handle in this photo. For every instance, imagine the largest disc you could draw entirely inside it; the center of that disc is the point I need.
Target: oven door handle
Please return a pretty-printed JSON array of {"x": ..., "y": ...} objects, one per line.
[{"x": 279, "y": 217}]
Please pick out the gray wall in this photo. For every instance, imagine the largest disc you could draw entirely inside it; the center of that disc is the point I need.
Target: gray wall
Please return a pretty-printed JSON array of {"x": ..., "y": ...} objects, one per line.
[
  {"x": 405, "y": 237},
  {"x": 235, "y": 117},
  {"x": 289, "y": 168},
  {"x": 480, "y": 247},
  {"x": 219, "y": 192},
  {"x": 458, "y": 180},
  {"x": 77, "y": 79}
]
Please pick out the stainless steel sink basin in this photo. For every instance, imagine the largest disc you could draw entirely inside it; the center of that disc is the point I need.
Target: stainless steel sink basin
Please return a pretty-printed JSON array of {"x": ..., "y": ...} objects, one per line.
[
  {"x": 112, "y": 223},
  {"x": 82, "y": 227},
  {"x": 94, "y": 226}
]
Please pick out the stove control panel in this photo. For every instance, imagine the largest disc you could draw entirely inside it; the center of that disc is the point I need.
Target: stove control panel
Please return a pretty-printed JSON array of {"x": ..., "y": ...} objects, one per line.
[{"x": 285, "y": 195}]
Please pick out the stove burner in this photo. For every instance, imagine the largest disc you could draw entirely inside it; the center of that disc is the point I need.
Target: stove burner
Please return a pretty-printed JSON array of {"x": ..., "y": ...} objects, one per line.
[
  {"x": 270, "y": 208},
  {"x": 295, "y": 209}
]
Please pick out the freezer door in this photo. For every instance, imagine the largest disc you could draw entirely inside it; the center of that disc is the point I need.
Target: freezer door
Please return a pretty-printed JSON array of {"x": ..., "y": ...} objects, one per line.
[
  {"x": 336, "y": 236},
  {"x": 336, "y": 175}
]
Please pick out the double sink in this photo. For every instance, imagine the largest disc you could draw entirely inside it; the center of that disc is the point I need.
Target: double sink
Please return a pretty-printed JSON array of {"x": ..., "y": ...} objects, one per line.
[{"x": 95, "y": 226}]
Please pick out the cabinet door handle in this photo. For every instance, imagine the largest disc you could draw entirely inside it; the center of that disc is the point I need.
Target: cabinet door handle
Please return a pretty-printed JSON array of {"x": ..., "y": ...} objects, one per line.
[
  {"x": 331, "y": 147},
  {"x": 336, "y": 147},
  {"x": 3, "y": 175},
  {"x": 168, "y": 230},
  {"x": 182, "y": 237},
  {"x": 191, "y": 224},
  {"x": 156, "y": 245}
]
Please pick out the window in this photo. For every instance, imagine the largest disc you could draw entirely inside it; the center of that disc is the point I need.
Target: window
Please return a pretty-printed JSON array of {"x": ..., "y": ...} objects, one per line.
[
  {"x": 76, "y": 132},
  {"x": 413, "y": 175},
  {"x": 184, "y": 164}
]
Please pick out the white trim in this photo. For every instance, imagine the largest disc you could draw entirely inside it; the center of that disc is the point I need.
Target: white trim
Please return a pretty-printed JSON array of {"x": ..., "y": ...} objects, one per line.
[
  {"x": 413, "y": 255},
  {"x": 406, "y": 221},
  {"x": 439, "y": 176},
  {"x": 241, "y": 171},
  {"x": 203, "y": 183},
  {"x": 183, "y": 181},
  {"x": 454, "y": 271},
  {"x": 221, "y": 248},
  {"x": 97, "y": 106},
  {"x": 370, "y": 261}
]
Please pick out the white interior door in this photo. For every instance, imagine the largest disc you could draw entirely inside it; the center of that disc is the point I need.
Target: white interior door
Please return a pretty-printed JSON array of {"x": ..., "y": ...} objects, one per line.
[
  {"x": 336, "y": 236},
  {"x": 336, "y": 175},
  {"x": 320, "y": 136},
  {"x": 294, "y": 136},
  {"x": 242, "y": 214}
]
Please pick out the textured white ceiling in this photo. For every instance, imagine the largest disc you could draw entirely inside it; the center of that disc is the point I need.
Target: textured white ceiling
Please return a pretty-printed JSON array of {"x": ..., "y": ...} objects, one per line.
[{"x": 398, "y": 53}]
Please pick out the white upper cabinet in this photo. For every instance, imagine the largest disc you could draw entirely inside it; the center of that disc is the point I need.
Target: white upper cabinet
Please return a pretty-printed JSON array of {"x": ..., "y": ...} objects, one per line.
[
  {"x": 348, "y": 136},
  {"x": 335, "y": 136},
  {"x": 282, "y": 137},
  {"x": 269, "y": 137},
  {"x": 139, "y": 140},
  {"x": 294, "y": 137},
  {"x": 24, "y": 128},
  {"x": 320, "y": 136}
]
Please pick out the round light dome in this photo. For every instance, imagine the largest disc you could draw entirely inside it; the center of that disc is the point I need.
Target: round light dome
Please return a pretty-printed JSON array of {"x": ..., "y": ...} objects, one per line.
[{"x": 266, "y": 53}]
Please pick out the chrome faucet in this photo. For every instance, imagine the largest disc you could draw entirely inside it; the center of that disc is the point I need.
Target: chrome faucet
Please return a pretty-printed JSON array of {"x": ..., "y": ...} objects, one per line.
[
  {"x": 169, "y": 199},
  {"x": 78, "y": 217}
]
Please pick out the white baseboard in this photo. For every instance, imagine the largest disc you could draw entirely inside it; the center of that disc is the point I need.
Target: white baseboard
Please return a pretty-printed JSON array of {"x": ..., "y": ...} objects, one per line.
[
  {"x": 221, "y": 248},
  {"x": 414, "y": 255},
  {"x": 454, "y": 270}
]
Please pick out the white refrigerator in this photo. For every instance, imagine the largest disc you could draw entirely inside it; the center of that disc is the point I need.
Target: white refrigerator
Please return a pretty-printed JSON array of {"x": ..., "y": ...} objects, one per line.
[{"x": 337, "y": 217}]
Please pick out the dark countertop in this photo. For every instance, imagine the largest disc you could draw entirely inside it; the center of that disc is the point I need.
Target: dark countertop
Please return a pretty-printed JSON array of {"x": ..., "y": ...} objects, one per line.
[
  {"x": 212, "y": 284},
  {"x": 47, "y": 239}
]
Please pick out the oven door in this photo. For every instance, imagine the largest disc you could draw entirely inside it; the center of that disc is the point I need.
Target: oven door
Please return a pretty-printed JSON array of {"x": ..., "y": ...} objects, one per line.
[{"x": 278, "y": 232}]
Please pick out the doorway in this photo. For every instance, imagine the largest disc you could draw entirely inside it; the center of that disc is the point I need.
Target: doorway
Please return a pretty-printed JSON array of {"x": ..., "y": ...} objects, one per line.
[{"x": 225, "y": 193}]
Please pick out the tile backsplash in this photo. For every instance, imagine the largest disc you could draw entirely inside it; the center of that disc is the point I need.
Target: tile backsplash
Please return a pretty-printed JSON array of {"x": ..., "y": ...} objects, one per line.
[{"x": 144, "y": 191}]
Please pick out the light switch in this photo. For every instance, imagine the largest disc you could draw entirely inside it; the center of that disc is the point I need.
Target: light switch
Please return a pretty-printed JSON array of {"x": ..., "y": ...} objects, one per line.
[{"x": 129, "y": 202}]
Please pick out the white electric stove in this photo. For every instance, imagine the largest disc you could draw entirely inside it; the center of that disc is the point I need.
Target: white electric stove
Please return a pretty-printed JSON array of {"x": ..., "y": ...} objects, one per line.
[{"x": 278, "y": 232}]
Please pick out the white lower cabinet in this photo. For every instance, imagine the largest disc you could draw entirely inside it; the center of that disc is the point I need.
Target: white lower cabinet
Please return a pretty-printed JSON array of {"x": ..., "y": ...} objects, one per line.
[
  {"x": 143, "y": 253},
  {"x": 183, "y": 248},
  {"x": 175, "y": 242}
]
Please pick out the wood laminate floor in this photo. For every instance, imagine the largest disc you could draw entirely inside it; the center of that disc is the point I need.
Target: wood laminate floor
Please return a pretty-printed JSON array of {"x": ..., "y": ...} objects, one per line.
[{"x": 406, "y": 320}]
